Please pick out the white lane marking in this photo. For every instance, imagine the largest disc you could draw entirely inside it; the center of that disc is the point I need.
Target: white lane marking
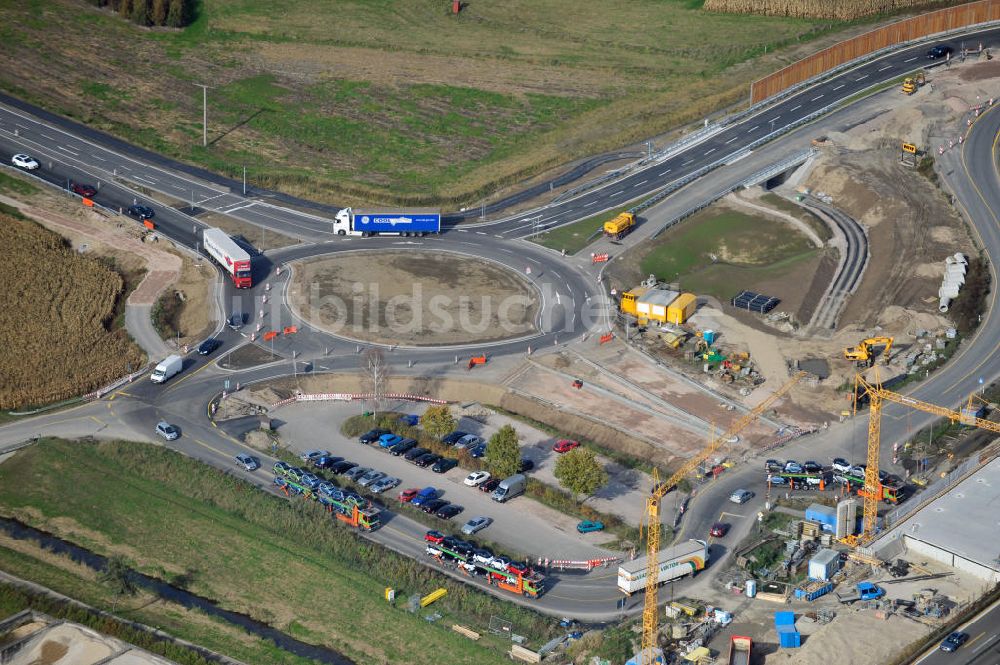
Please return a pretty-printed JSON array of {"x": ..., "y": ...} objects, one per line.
[
  {"x": 664, "y": 173},
  {"x": 481, "y": 233},
  {"x": 497, "y": 235},
  {"x": 840, "y": 86},
  {"x": 585, "y": 205},
  {"x": 885, "y": 68},
  {"x": 752, "y": 129},
  {"x": 145, "y": 179},
  {"x": 911, "y": 59},
  {"x": 731, "y": 140},
  {"x": 51, "y": 138},
  {"x": 462, "y": 230},
  {"x": 816, "y": 98},
  {"x": 791, "y": 110},
  {"x": 640, "y": 183},
  {"x": 178, "y": 187},
  {"x": 687, "y": 162},
  {"x": 100, "y": 159},
  {"x": 21, "y": 126},
  {"x": 620, "y": 191},
  {"x": 862, "y": 78},
  {"x": 709, "y": 152},
  {"x": 75, "y": 154}
]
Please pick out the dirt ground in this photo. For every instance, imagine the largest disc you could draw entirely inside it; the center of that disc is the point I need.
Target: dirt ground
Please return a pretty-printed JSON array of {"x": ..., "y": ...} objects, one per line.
[{"x": 413, "y": 298}]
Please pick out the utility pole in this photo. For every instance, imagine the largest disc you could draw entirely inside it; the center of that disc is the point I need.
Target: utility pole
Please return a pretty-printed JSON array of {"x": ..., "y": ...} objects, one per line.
[{"x": 204, "y": 114}]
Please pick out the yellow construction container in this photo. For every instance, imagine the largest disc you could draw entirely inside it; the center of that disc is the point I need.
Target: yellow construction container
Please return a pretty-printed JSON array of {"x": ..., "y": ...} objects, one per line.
[
  {"x": 681, "y": 308},
  {"x": 653, "y": 305}
]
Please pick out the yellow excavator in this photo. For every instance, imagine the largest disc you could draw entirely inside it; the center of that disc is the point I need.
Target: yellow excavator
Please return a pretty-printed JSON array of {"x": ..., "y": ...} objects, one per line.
[
  {"x": 911, "y": 83},
  {"x": 864, "y": 354}
]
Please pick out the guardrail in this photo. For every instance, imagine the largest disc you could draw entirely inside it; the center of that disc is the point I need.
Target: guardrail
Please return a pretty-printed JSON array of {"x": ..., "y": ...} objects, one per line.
[{"x": 773, "y": 170}]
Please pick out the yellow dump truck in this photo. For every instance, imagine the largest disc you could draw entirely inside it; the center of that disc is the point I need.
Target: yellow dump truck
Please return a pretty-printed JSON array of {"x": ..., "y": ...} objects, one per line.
[{"x": 620, "y": 226}]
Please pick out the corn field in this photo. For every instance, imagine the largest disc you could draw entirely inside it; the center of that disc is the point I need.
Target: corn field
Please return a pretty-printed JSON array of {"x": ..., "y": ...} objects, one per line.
[
  {"x": 842, "y": 10},
  {"x": 57, "y": 319}
]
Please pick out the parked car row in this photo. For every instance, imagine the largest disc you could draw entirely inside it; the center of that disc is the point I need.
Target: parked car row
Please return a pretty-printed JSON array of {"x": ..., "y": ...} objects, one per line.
[
  {"x": 479, "y": 555},
  {"x": 838, "y": 466},
  {"x": 397, "y": 445},
  {"x": 429, "y": 500}
]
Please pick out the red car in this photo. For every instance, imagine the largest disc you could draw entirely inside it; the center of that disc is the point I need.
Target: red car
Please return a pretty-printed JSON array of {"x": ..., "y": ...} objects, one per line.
[
  {"x": 719, "y": 529},
  {"x": 86, "y": 191},
  {"x": 519, "y": 567},
  {"x": 565, "y": 445},
  {"x": 407, "y": 495},
  {"x": 434, "y": 537}
]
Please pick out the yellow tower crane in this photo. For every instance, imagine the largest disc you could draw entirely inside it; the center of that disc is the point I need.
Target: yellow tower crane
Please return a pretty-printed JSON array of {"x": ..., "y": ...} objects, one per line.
[
  {"x": 649, "y": 612},
  {"x": 876, "y": 395}
]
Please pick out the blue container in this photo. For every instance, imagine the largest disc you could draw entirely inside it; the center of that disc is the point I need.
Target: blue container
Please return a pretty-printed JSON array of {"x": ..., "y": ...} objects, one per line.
[{"x": 789, "y": 638}]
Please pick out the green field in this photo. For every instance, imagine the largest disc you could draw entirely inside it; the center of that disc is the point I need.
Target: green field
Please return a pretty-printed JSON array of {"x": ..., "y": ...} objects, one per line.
[
  {"x": 720, "y": 253},
  {"x": 392, "y": 100},
  {"x": 288, "y": 564},
  {"x": 574, "y": 237}
]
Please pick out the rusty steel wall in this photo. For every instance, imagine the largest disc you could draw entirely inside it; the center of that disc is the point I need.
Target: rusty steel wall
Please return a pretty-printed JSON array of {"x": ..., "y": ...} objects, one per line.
[{"x": 901, "y": 31}]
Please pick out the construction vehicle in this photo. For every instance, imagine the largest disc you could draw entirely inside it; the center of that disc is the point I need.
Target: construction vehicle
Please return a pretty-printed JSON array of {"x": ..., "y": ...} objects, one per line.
[
  {"x": 864, "y": 353},
  {"x": 875, "y": 394},
  {"x": 739, "y": 650},
  {"x": 863, "y": 591},
  {"x": 911, "y": 83},
  {"x": 650, "y": 616},
  {"x": 350, "y": 508},
  {"x": 620, "y": 226}
]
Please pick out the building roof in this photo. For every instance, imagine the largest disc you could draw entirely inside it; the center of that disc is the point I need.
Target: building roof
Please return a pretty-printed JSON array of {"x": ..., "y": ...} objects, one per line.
[
  {"x": 661, "y": 297},
  {"x": 957, "y": 520}
]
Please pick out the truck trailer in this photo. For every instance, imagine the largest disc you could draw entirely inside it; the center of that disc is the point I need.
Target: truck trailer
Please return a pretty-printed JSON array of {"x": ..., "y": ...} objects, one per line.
[
  {"x": 674, "y": 562},
  {"x": 739, "y": 650},
  {"x": 387, "y": 222},
  {"x": 234, "y": 259}
]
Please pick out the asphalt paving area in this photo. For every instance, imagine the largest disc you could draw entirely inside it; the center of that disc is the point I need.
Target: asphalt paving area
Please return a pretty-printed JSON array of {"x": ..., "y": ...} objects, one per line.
[
  {"x": 413, "y": 298},
  {"x": 524, "y": 525}
]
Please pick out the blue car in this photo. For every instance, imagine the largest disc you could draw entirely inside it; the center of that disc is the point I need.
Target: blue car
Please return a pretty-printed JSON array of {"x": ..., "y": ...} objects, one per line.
[
  {"x": 389, "y": 440},
  {"x": 589, "y": 526},
  {"x": 478, "y": 451},
  {"x": 424, "y": 495},
  {"x": 409, "y": 419}
]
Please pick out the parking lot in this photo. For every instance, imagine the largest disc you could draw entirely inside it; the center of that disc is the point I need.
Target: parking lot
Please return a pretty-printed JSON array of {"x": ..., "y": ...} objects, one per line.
[{"x": 523, "y": 525}]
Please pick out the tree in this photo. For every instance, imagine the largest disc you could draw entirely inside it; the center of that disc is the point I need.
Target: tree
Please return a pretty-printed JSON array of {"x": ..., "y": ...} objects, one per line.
[
  {"x": 376, "y": 373},
  {"x": 140, "y": 12},
  {"x": 580, "y": 472},
  {"x": 438, "y": 420},
  {"x": 118, "y": 574},
  {"x": 158, "y": 13},
  {"x": 177, "y": 15},
  {"x": 503, "y": 454}
]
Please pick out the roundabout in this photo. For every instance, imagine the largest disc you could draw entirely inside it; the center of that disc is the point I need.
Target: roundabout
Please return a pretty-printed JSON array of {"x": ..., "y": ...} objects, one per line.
[{"x": 414, "y": 298}]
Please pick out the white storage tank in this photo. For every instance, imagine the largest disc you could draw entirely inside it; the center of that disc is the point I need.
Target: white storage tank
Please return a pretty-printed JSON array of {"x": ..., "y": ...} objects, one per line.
[{"x": 751, "y": 588}]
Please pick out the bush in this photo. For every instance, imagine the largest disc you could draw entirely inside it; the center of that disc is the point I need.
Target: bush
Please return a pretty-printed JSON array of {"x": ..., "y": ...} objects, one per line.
[
  {"x": 166, "y": 315},
  {"x": 970, "y": 304}
]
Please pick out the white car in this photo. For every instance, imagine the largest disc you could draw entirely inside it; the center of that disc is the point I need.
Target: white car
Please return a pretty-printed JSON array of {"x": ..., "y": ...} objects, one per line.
[
  {"x": 24, "y": 161},
  {"x": 166, "y": 430},
  {"x": 841, "y": 465},
  {"x": 476, "y": 478},
  {"x": 741, "y": 496}
]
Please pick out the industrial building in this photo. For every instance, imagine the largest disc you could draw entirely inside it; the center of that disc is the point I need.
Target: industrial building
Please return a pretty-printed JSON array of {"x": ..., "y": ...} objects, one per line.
[{"x": 959, "y": 529}]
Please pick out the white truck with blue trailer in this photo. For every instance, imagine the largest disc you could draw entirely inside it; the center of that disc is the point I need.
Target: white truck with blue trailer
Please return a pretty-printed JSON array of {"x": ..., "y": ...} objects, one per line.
[{"x": 387, "y": 222}]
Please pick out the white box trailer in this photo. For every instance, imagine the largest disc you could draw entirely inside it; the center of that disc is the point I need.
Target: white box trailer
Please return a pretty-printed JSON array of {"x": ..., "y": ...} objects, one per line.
[{"x": 677, "y": 561}]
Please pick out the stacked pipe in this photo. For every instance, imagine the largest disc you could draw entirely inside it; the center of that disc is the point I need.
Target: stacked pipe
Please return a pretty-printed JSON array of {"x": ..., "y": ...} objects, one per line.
[{"x": 954, "y": 279}]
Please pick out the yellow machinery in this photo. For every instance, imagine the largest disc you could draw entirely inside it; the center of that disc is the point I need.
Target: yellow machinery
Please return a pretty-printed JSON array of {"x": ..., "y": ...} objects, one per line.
[
  {"x": 620, "y": 226},
  {"x": 864, "y": 353},
  {"x": 876, "y": 394},
  {"x": 682, "y": 308},
  {"x": 649, "y": 612},
  {"x": 911, "y": 83}
]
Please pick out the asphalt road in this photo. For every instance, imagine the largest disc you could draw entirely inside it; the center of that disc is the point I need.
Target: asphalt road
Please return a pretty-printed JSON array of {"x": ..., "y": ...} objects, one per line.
[
  {"x": 983, "y": 647},
  {"x": 183, "y": 400}
]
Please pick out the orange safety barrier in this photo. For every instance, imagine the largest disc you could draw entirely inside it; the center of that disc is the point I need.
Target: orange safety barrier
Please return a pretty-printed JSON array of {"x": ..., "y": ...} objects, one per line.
[
  {"x": 607, "y": 338},
  {"x": 476, "y": 360},
  {"x": 148, "y": 224},
  {"x": 88, "y": 202},
  {"x": 270, "y": 334},
  {"x": 291, "y": 330},
  {"x": 599, "y": 258}
]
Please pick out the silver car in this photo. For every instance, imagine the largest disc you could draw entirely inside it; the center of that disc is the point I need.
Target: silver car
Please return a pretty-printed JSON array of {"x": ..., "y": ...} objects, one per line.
[
  {"x": 370, "y": 478},
  {"x": 167, "y": 431},
  {"x": 357, "y": 472},
  {"x": 468, "y": 441},
  {"x": 384, "y": 484},
  {"x": 741, "y": 496},
  {"x": 476, "y": 524}
]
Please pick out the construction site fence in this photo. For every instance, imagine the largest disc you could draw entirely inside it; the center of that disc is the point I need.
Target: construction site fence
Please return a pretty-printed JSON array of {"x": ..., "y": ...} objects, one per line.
[
  {"x": 874, "y": 43},
  {"x": 350, "y": 397},
  {"x": 128, "y": 378}
]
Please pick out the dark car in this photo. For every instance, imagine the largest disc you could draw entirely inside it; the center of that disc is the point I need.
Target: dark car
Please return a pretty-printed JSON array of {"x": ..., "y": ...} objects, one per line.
[
  {"x": 774, "y": 466},
  {"x": 478, "y": 451},
  {"x": 326, "y": 462},
  {"x": 209, "y": 345},
  {"x": 433, "y": 505},
  {"x": 444, "y": 465},
  {"x": 449, "y": 511},
  {"x": 414, "y": 453},
  {"x": 526, "y": 465},
  {"x": 812, "y": 467},
  {"x": 86, "y": 191},
  {"x": 140, "y": 212},
  {"x": 452, "y": 439},
  {"x": 235, "y": 320},
  {"x": 341, "y": 467},
  {"x": 404, "y": 446},
  {"x": 426, "y": 460},
  {"x": 954, "y": 641},
  {"x": 371, "y": 436},
  {"x": 490, "y": 485},
  {"x": 940, "y": 51},
  {"x": 409, "y": 419}
]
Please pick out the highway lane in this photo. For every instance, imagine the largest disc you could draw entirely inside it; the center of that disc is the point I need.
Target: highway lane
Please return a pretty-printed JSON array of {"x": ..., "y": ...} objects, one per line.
[{"x": 983, "y": 647}]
